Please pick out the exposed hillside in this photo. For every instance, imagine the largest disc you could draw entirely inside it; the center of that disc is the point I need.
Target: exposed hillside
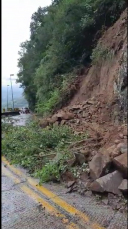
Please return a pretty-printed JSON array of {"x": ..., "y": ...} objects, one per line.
[
  {"x": 105, "y": 82},
  {"x": 106, "y": 79},
  {"x": 62, "y": 37},
  {"x": 82, "y": 134},
  {"x": 99, "y": 108}
]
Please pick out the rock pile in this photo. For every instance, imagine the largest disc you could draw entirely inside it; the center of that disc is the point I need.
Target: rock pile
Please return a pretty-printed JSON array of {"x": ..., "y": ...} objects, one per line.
[{"x": 104, "y": 151}]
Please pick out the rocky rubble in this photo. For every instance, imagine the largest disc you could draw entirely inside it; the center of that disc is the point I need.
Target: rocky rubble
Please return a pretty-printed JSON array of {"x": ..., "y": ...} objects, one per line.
[
  {"x": 121, "y": 164},
  {"x": 100, "y": 116},
  {"x": 123, "y": 186},
  {"x": 103, "y": 154},
  {"x": 108, "y": 183},
  {"x": 103, "y": 151},
  {"x": 99, "y": 165}
]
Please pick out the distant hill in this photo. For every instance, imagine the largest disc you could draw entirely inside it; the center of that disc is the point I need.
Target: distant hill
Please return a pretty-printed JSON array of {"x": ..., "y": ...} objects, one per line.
[{"x": 19, "y": 100}]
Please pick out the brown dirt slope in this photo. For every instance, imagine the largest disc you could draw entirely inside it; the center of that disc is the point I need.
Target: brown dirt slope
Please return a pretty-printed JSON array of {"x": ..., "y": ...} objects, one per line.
[
  {"x": 100, "y": 78},
  {"x": 94, "y": 108},
  {"x": 97, "y": 107}
]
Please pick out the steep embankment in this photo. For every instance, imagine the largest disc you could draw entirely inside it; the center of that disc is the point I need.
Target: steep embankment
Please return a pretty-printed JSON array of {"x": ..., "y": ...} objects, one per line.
[
  {"x": 99, "y": 109},
  {"x": 105, "y": 85},
  {"x": 102, "y": 77}
]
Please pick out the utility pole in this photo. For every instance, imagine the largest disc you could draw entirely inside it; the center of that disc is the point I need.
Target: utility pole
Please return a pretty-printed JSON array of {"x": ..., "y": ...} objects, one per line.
[
  {"x": 7, "y": 97},
  {"x": 12, "y": 90}
]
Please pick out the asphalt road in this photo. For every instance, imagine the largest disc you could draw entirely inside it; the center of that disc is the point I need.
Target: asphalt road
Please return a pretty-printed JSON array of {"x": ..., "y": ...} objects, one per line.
[
  {"x": 25, "y": 204},
  {"x": 22, "y": 119}
]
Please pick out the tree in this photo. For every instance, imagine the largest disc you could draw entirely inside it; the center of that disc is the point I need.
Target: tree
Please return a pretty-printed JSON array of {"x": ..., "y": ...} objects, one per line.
[{"x": 62, "y": 37}]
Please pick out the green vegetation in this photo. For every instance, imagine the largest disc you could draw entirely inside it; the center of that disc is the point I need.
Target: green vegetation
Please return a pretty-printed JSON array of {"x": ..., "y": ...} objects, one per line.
[
  {"x": 101, "y": 54},
  {"x": 44, "y": 152},
  {"x": 62, "y": 37}
]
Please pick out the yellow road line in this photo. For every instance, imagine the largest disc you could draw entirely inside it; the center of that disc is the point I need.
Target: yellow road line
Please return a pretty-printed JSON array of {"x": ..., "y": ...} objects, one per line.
[
  {"x": 67, "y": 207},
  {"x": 38, "y": 199},
  {"x": 7, "y": 173}
]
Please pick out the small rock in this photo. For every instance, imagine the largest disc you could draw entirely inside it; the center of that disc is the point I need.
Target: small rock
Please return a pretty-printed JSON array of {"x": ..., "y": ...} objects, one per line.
[
  {"x": 89, "y": 158},
  {"x": 67, "y": 176},
  {"x": 121, "y": 209},
  {"x": 84, "y": 176},
  {"x": 98, "y": 165},
  {"x": 74, "y": 188},
  {"x": 76, "y": 107},
  {"x": 107, "y": 183},
  {"x": 124, "y": 150},
  {"x": 87, "y": 184},
  {"x": 125, "y": 133},
  {"x": 64, "y": 115},
  {"x": 124, "y": 186},
  {"x": 112, "y": 151},
  {"x": 40, "y": 207},
  {"x": 105, "y": 201},
  {"x": 78, "y": 121},
  {"x": 65, "y": 221},
  {"x": 88, "y": 193},
  {"x": 63, "y": 122},
  {"x": 43, "y": 123},
  {"x": 85, "y": 152},
  {"x": 121, "y": 136},
  {"x": 71, "y": 162},
  {"x": 56, "y": 123},
  {"x": 117, "y": 141},
  {"x": 94, "y": 152},
  {"x": 80, "y": 158},
  {"x": 115, "y": 153},
  {"x": 125, "y": 137},
  {"x": 113, "y": 201},
  {"x": 70, "y": 184},
  {"x": 69, "y": 190},
  {"x": 121, "y": 163},
  {"x": 90, "y": 102},
  {"x": 118, "y": 206},
  {"x": 121, "y": 146},
  {"x": 53, "y": 119}
]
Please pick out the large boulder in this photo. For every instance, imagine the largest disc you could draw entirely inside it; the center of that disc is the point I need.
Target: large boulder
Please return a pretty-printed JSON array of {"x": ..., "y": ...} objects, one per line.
[
  {"x": 98, "y": 165},
  {"x": 62, "y": 115},
  {"x": 123, "y": 186},
  {"x": 108, "y": 183},
  {"x": 121, "y": 164}
]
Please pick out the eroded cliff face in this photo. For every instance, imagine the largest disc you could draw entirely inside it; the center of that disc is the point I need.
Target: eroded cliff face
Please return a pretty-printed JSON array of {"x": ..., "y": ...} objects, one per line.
[
  {"x": 121, "y": 86},
  {"x": 108, "y": 79},
  {"x": 99, "y": 109}
]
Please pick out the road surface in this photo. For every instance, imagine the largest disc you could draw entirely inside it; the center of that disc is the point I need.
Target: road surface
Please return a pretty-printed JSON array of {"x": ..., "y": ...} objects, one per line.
[
  {"x": 22, "y": 119},
  {"x": 26, "y": 205}
]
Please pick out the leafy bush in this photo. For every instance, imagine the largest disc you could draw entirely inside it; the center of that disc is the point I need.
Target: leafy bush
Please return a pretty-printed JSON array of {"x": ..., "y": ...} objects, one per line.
[
  {"x": 101, "y": 54},
  {"x": 30, "y": 145},
  {"x": 48, "y": 106},
  {"x": 51, "y": 171},
  {"x": 42, "y": 151},
  {"x": 62, "y": 36}
]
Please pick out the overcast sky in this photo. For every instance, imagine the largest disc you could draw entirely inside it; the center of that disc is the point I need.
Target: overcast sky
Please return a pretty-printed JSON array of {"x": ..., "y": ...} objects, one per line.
[{"x": 16, "y": 17}]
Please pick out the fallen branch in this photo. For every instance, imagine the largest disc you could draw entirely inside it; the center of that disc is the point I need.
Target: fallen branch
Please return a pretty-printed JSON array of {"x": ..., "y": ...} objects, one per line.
[{"x": 84, "y": 141}]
